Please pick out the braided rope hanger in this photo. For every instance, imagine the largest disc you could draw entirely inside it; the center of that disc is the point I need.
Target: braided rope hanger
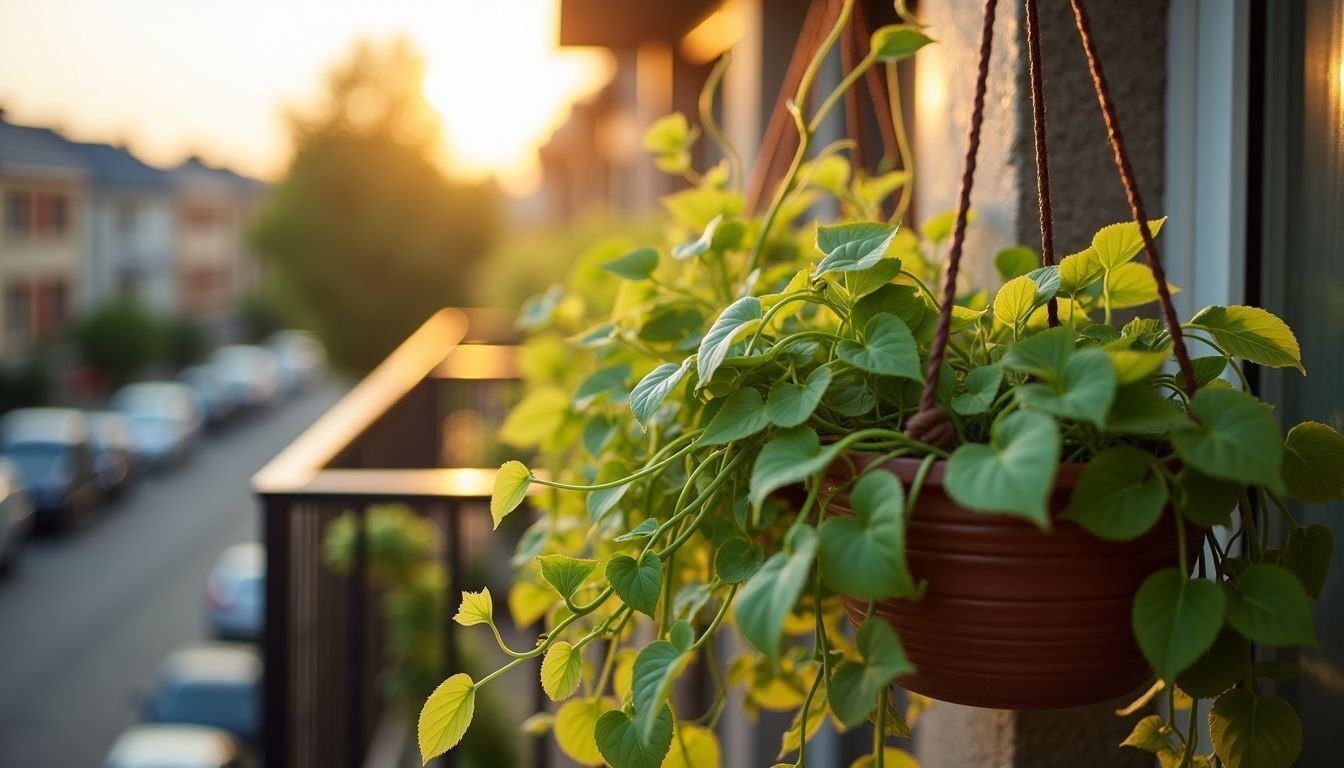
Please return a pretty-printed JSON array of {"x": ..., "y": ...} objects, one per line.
[{"x": 930, "y": 424}]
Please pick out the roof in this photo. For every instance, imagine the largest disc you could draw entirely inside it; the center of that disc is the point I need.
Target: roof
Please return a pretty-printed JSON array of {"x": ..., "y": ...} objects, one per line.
[
  {"x": 226, "y": 663},
  {"x": 196, "y": 172},
  {"x": 115, "y": 166},
  {"x": 38, "y": 151}
]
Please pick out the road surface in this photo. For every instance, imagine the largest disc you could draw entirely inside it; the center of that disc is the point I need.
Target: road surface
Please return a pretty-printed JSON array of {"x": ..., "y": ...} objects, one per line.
[{"x": 86, "y": 621}]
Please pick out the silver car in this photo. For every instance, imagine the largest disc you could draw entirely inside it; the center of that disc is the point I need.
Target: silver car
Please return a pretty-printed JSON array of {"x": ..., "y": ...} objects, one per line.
[
  {"x": 164, "y": 418},
  {"x": 176, "y": 746},
  {"x": 251, "y": 375},
  {"x": 235, "y": 593},
  {"x": 16, "y": 516},
  {"x": 214, "y": 684},
  {"x": 302, "y": 358}
]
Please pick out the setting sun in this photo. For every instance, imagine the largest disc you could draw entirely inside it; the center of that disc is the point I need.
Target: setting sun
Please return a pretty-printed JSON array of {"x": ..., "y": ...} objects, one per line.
[{"x": 223, "y": 76}]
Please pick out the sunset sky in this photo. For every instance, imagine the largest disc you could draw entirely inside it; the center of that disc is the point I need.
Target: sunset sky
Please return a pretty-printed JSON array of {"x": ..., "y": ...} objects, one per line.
[{"x": 176, "y": 77}]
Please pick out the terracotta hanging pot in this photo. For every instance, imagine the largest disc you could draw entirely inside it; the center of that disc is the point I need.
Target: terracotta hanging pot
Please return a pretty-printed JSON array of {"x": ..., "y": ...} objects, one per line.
[{"x": 1015, "y": 617}]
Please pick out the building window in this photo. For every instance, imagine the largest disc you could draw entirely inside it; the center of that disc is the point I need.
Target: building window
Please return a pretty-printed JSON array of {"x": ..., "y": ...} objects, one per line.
[
  {"x": 53, "y": 216},
  {"x": 18, "y": 214},
  {"x": 201, "y": 218},
  {"x": 53, "y": 299}
]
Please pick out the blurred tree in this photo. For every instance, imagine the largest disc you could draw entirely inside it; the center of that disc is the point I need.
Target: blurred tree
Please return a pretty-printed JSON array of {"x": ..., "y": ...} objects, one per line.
[
  {"x": 119, "y": 339},
  {"x": 184, "y": 342},
  {"x": 25, "y": 384},
  {"x": 262, "y": 314},
  {"x": 365, "y": 232}
]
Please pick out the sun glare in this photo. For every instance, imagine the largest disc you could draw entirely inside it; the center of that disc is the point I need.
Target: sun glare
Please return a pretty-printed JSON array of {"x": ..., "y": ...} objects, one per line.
[{"x": 502, "y": 87}]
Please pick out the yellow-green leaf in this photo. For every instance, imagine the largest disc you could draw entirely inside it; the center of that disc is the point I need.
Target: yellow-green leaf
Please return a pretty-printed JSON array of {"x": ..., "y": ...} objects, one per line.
[
  {"x": 1149, "y": 734},
  {"x": 511, "y": 482},
  {"x": 669, "y": 134},
  {"x": 1133, "y": 365},
  {"x": 1015, "y": 300},
  {"x": 561, "y": 671},
  {"x": 536, "y": 418},
  {"x": 1078, "y": 271},
  {"x": 446, "y": 715},
  {"x": 1118, "y": 243},
  {"x": 528, "y": 602},
  {"x": 897, "y": 41},
  {"x": 1133, "y": 285},
  {"x": 476, "y": 608},
  {"x": 575, "y": 723},
  {"x": 693, "y": 746},
  {"x": 1252, "y": 334}
]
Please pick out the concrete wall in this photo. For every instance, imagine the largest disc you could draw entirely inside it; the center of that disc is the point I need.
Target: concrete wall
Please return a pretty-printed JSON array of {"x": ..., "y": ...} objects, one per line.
[{"x": 1087, "y": 193}]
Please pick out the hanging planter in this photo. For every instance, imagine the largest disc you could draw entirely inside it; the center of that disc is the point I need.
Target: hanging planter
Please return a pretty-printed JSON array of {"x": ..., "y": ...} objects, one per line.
[
  {"x": 815, "y": 435},
  {"x": 1014, "y": 617}
]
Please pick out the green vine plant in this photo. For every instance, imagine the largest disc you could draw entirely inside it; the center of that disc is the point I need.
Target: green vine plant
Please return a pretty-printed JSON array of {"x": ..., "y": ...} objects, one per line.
[{"x": 686, "y": 400}]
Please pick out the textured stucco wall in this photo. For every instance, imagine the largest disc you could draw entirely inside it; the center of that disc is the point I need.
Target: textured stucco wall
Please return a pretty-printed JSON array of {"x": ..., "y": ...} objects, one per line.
[{"x": 1132, "y": 36}]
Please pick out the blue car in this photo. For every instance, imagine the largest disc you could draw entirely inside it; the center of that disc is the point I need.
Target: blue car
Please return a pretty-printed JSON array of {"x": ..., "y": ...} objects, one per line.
[
  {"x": 53, "y": 451},
  {"x": 215, "y": 684}
]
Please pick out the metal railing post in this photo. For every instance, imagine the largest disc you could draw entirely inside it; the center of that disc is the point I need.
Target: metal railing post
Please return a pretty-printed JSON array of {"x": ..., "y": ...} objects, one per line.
[
  {"x": 355, "y": 660},
  {"x": 275, "y": 638}
]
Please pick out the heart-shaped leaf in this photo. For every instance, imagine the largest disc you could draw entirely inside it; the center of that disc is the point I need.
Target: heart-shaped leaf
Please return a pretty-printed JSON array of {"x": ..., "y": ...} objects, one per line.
[
  {"x": 888, "y": 349},
  {"x": 1252, "y": 334},
  {"x": 656, "y": 669},
  {"x": 737, "y": 560},
  {"x": 792, "y": 404},
  {"x": 635, "y": 265},
  {"x": 575, "y": 723},
  {"x": 1208, "y": 501},
  {"x": 791, "y": 456},
  {"x": 637, "y": 583},
  {"x": 566, "y": 574},
  {"x": 1313, "y": 463},
  {"x": 768, "y": 597},
  {"x": 446, "y": 715},
  {"x": 903, "y": 301},
  {"x": 1119, "y": 495},
  {"x": 737, "y": 320},
  {"x": 511, "y": 482},
  {"x": 742, "y": 415},
  {"x": 1269, "y": 605},
  {"x": 864, "y": 555},
  {"x": 852, "y": 246},
  {"x": 694, "y": 746},
  {"x": 1250, "y": 731},
  {"x": 561, "y": 671},
  {"x": 1176, "y": 619},
  {"x": 1015, "y": 301},
  {"x": 854, "y": 688},
  {"x": 651, "y": 390},
  {"x": 1308, "y": 553},
  {"x": 1148, "y": 735},
  {"x": 1236, "y": 439},
  {"x": 621, "y": 744},
  {"x": 982, "y": 387},
  {"x": 1141, "y": 410},
  {"x": 1226, "y": 663},
  {"x": 1043, "y": 355},
  {"x": 1083, "y": 389},
  {"x": 866, "y": 281},
  {"x": 1012, "y": 475},
  {"x": 1079, "y": 271}
]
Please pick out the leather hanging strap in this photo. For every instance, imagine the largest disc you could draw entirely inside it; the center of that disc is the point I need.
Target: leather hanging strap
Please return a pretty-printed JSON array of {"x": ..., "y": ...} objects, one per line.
[
  {"x": 1126, "y": 170},
  {"x": 1042, "y": 150},
  {"x": 930, "y": 425}
]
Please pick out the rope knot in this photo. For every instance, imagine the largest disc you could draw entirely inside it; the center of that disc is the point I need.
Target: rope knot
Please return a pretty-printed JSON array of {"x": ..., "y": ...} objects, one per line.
[{"x": 931, "y": 426}]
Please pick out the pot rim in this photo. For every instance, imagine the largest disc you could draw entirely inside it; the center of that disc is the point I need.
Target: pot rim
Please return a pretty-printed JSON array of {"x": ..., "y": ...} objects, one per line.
[{"x": 905, "y": 468}]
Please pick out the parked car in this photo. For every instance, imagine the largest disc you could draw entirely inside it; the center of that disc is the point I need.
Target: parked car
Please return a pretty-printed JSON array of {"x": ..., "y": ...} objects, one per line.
[
  {"x": 16, "y": 516},
  {"x": 215, "y": 684},
  {"x": 177, "y": 746},
  {"x": 164, "y": 419},
  {"x": 251, "y": 375},
  {"x": 217, "y": 404},
  {"x": 235, "y": 592},
  {"x": 113, "y": 452},
  {"x": 302, "y": 358},
  {"x": 52, "y": 449}
]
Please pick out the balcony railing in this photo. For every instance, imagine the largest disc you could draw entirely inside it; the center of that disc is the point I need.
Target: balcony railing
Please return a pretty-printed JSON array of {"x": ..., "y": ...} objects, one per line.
[{"x": 397, "y": 436}]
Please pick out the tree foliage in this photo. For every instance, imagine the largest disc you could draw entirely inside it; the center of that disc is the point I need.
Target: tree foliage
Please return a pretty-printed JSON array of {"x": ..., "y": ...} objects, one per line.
[{"x": 366, "y": 233}]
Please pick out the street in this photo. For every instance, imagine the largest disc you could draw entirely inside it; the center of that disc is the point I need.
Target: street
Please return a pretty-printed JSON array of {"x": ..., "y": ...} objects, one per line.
[{"x": 89, "y": 616}]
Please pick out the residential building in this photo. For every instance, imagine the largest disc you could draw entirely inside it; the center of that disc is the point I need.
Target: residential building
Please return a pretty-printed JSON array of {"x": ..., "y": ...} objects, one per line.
[
  {"x": 129, "y": 232},
  {"x": 215, "y": 264},
  {"x": 43, "y": 189}
]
